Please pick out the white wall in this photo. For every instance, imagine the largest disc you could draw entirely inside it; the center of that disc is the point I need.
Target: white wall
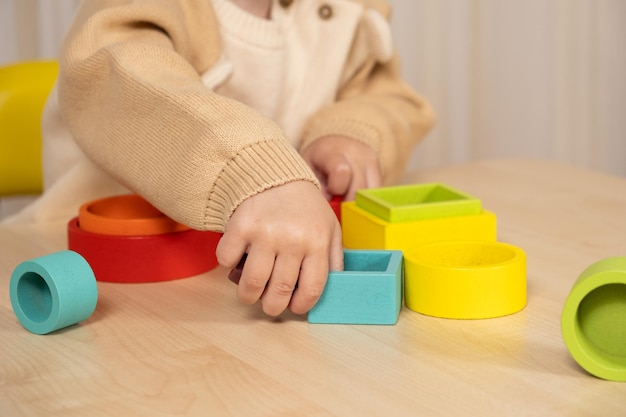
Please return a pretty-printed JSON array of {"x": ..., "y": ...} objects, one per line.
[
  {"x": 31, "y": 29},
  {"x": 530, "y": 78}
]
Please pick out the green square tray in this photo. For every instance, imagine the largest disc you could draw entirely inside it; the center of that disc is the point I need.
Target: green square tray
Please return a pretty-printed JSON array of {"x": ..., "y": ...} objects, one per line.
[{"x": 416, "y": 202}]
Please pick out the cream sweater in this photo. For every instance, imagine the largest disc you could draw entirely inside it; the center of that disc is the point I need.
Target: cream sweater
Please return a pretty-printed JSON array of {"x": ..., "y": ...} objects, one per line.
[{"x": 144, "y": 92}]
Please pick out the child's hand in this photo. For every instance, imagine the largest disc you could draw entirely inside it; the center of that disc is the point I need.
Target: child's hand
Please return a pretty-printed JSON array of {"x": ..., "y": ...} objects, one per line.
[
  {"x": 291, "y": 236},
  {"x": 343, "y": 165}
]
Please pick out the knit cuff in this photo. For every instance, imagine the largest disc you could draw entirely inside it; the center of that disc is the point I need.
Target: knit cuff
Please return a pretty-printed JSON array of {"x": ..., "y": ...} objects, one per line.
[
  {"x": 354, "y": 129},
  {"x": 256, "y": 168}
]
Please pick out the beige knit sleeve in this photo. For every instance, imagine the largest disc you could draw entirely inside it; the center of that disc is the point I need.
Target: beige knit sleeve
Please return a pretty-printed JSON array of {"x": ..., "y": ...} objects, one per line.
[
  {"x": 131, "y": 94},
  {"x": 375, "y": 106}
]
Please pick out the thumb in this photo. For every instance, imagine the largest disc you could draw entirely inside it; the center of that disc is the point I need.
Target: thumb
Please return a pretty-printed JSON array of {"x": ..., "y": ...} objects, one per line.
[{"x": 338, "y": 174}]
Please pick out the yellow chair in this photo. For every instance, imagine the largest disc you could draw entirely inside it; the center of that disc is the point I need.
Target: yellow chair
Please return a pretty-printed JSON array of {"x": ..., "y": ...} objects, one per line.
[{"x": 24, "y": 89}]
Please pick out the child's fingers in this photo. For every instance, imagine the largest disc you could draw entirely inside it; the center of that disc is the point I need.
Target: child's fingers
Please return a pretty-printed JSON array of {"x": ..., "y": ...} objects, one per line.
[
  {"x": 333, "y": 170},
  {"x": 366, "y": 175},
  {"x": 255, "y": 275},
  {"x": 373, "y": 178},
  {"x": 358, "y": 182},
  {"x": 339, "y": 173},
  {"x": 314, "y": 272},
  {"x": 230, "y": 250},
  {"x": 235, "y": 273},
  {"x": 281, "y": 285},
  {"x": 313, "y": 276},
  {"x": 335, "y": 255}
]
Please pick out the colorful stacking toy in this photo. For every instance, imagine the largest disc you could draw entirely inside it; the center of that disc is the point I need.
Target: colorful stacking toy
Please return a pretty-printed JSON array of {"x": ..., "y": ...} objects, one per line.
[
  {"x": 52, "y": 292},
  {"x": 401, "y": 218},
  {"x": 430, "y": 244},
  {"x": 593, "y": 320},
  {"x": 367, "y": 291},
  {"x": 454, "y": 266},
  {"x": 125, "y": 239}
]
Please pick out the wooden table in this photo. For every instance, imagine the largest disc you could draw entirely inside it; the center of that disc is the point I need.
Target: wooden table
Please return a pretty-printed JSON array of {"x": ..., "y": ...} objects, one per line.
[{"x": 189, "y": 348}]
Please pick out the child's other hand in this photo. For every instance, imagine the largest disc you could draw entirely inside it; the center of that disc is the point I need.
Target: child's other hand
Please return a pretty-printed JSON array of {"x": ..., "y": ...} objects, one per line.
[
  {"x": 290, "y": 236},
  {"x": 343, "y": 165}
]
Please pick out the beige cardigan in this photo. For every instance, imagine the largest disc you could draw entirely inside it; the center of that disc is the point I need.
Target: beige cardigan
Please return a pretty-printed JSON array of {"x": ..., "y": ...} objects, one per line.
[{"x": 130, "y": 91}]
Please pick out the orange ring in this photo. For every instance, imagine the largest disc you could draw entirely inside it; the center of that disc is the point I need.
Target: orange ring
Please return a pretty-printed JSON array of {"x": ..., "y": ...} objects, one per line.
[{"x": 125, "y": 215}]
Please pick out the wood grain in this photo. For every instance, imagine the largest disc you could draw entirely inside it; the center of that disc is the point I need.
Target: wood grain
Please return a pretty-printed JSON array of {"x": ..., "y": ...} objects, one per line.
[{"x": 188, "y": 348}]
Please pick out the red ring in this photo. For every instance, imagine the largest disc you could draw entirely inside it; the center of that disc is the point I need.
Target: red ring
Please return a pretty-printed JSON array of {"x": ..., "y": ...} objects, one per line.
[
  {"x": 335, "y": 204},
  {"x": 139, "y": 259}
]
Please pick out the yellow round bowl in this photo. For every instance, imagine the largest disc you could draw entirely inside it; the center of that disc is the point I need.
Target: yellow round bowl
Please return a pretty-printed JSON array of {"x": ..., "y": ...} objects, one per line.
[{"x": 465, "y": 280}]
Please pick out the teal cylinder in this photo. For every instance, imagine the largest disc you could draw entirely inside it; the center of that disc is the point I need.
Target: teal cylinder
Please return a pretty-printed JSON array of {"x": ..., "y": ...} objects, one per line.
[{"x": 53, "y": 291}]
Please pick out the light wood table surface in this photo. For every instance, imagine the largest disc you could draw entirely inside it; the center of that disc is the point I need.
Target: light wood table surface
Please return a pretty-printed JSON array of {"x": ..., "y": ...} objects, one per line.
[{"x": 188, "y": 347}]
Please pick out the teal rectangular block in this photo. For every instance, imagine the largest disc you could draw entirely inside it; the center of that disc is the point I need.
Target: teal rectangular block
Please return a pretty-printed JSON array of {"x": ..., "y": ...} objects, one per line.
[{"x": 367, "y": 291}]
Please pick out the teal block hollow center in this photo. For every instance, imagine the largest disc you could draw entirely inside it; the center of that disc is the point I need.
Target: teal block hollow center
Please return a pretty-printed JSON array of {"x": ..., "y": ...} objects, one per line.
[
  {"x": 416, "y": 202},
  {"x": 367, "y": 291}
]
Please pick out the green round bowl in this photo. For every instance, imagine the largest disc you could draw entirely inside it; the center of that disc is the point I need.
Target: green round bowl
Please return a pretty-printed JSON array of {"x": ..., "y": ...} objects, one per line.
[{"x": 593, "y": 321}]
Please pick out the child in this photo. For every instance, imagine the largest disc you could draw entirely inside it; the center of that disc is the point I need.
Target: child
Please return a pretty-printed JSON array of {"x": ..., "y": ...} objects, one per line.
[{"x": 199, "y": 107}]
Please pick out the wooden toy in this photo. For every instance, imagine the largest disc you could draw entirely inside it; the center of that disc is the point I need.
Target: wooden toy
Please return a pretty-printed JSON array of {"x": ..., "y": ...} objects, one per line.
[
  {"x": 367, "y": 291},
  {"x": 24, "y": 89},
  {"x": 416, "y": 202},
  {"x": 402, "y": 217},
  {"x": 125, "y": 215},
  {"x": 335, "y": 204},
  {"x": 465, "y": 279},
  {"x": 364, "y": 230},
  {"x": 53, "y": 291},
  {"x": 454, "y": 266},
  {"x": 593, "y": 321},
  {"x": 128, "y": 240},
  {"x": 150, "y": 258}
]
